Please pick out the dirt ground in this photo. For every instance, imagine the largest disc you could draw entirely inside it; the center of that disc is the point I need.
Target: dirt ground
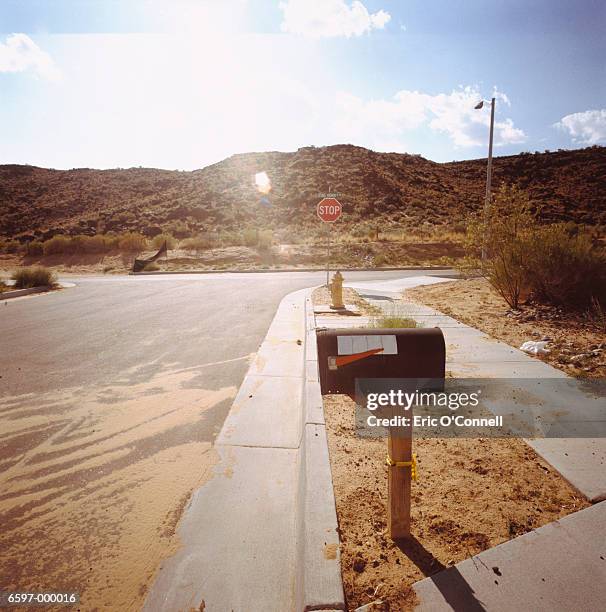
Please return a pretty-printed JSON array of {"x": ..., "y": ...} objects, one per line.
[
  {"x": 89, "y": 494},
  {"x": 576, "y": 345},
  {"x": 472, "y": 494}
]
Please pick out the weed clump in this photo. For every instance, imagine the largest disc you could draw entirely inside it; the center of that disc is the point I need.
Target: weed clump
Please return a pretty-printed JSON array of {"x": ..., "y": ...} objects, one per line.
[{"x": 35, "y": 276}]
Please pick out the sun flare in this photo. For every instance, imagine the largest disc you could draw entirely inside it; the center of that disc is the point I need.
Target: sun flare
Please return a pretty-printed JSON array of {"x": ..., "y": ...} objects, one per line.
[{"x": 262, "y": 182}]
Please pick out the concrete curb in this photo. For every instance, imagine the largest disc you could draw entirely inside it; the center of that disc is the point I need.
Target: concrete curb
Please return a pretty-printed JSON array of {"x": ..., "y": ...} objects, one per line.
[
  {"x": 15, "y": 293},
  {"x": 320, "y": 587},
  {"x": 275, "y": 271}
]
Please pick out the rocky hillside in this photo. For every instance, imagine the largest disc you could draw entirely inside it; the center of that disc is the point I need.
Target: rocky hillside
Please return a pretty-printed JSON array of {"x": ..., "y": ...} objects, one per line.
[{"x": 387, "y": 188}]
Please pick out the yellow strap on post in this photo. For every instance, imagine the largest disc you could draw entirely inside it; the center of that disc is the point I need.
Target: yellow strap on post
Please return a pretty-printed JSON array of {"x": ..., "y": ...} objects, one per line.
[{"x": 411, "y": 464}]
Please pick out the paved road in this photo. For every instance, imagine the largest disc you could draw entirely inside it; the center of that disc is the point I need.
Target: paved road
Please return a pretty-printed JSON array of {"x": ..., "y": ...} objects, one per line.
[
  {"x": 110, "y": 325},
  {"x": 111, "y": 395}
]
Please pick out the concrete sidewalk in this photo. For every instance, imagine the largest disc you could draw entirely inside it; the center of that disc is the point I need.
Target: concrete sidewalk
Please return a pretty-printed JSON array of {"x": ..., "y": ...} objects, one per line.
[
  {"x": 256, "y": 536},
  {"x": 560, "y": 566}
]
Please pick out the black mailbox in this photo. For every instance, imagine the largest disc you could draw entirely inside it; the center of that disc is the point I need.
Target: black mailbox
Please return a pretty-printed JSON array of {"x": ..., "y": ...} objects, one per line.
[{"x": 347, "y": 354}]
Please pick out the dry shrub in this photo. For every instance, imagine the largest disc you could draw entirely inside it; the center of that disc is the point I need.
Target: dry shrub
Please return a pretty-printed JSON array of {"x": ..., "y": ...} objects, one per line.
[
  {"x": 77, "y": 245},
  {"x": 553, "y": 264},
  {"x": 160, "y": 239},
  {"x": 501, "y": 233},
  {"x": 381, "y": 259},
  {"x": 564, "y": 268},
  {"x": 202, "y": 242},
  {"x": 57, "y": 245},
  {"x": 36, "y": 276},
  {"x": 95, "y": 244},
  {"x": 132, "y": 242},
  {"x": 250, "y": 237},
  {"x": 265, "y": 240},
  {"x": 34, "y": 248}
]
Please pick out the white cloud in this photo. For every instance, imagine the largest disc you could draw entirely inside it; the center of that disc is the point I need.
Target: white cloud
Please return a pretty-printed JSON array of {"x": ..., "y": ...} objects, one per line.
[
  {"x": 20, "y": 53},
  {"x": 587, "y": 127},
  {"x": 378, "y": 121},
  {"x": 330, "y": 18}
]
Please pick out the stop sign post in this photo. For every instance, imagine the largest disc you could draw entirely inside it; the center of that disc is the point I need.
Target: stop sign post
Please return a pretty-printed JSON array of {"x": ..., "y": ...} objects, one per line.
[{"x": 328, "y": 210}]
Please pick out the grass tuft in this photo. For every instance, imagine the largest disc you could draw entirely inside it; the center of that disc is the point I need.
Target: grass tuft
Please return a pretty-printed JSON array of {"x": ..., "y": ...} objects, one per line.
[{"x": 393, "y": 322}]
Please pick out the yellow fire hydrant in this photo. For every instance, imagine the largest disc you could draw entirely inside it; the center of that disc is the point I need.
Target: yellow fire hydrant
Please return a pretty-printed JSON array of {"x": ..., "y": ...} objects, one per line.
[{"x": 336, "y": 291}]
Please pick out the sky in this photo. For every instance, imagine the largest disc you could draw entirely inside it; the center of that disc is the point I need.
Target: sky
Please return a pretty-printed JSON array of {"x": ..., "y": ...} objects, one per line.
[{"x": 182, "y": 84}]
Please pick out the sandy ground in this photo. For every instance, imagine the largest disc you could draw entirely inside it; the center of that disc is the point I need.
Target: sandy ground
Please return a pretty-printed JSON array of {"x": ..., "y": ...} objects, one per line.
[
  {"x": 576, "y": 346},
  {"x": 93, "y": 483},
  {"x": 471, "y": 495}
]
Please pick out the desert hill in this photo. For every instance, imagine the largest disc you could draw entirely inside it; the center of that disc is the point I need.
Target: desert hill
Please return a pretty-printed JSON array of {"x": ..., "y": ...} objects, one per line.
[{"x": 387, "y": 188}]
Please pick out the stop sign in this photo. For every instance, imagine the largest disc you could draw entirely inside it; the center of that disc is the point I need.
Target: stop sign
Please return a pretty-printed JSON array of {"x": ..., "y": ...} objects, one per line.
[{"x": 329, "y": 210}]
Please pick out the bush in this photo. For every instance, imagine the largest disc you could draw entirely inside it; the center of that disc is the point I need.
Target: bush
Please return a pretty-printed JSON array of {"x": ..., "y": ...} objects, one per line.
[
  {"x": 380, "y": 260},
  {"x": 502, "y": 234},
  {"x": 554, "y": 264},
  {"x": 56, "y": 245},
  {"x": 230, "y": 238},
  {"x": 36, "y": 276},
  {"x": 111, "y": 241},
  {"x": 563, "y": 267},
  {"x": 159, "y": 240},
  {"x": 34, "y": 248},
  {"x": 250, "y": 237},
  {"x": 265, "y": 240},
  {"x": 132, "y": 242},
  {"x": 73, "y": 245},
  {"x": 198, "y": 243},
  {"x": 89, "y": 244}
]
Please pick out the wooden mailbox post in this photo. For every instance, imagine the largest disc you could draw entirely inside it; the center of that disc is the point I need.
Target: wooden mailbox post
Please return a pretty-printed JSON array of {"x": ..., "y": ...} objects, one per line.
[{"x": 401, "y": 467}]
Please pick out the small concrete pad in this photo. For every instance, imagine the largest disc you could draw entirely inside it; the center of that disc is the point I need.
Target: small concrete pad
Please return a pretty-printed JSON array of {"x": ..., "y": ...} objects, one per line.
[
  {"x": 560, "y": 566},
  {"x": 350, "y": 310}
]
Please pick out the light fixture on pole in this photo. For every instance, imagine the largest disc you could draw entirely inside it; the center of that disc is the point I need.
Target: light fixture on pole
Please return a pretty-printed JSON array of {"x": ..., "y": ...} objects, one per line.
[{"x": 488, "y": 170}]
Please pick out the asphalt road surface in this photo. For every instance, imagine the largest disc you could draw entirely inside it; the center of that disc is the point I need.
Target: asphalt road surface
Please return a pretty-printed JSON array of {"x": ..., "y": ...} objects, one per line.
[
  {"x": 111, "y": 395},
  {"x": 109, "y": 325}
]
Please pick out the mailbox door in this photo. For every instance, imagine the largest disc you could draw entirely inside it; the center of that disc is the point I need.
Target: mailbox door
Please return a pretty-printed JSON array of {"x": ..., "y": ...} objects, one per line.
[{"x": 347, "y": 354}]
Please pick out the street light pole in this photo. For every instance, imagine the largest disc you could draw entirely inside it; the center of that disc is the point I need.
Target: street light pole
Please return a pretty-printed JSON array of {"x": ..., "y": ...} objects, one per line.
[
  {"x": 489, "y": 169},
  {"x": 488, "y": 173}
]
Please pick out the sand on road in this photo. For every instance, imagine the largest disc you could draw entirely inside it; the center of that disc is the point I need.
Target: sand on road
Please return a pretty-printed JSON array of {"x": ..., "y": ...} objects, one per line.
[{"x": 93, "y": 482}]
